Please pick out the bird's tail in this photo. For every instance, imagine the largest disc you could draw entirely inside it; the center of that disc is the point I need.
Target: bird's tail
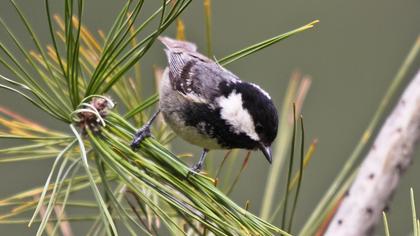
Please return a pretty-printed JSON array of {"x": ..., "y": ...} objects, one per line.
[{"x": 177, "y": 45}]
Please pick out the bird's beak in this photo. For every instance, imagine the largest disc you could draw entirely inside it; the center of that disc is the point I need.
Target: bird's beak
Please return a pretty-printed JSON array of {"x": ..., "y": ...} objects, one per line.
[{"x": 266, "y": 150}]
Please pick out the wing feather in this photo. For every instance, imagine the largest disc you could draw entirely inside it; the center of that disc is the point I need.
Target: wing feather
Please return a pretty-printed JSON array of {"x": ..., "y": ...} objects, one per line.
[{"x": 195, "y": 76}]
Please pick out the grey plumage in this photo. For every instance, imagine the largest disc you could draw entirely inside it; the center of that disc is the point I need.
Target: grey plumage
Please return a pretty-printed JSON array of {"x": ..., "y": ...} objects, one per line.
[
  {"x": 209, "y": 106},
  {"x": 192, "y": 73},
  {"x": 195, "y": 79}
]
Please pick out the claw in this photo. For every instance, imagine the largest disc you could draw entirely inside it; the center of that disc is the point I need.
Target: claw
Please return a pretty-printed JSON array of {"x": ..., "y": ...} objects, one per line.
[
  {"x": 197, "y": 167},
  {"x": 140, "y": 135},
  {"x": 143, "y": 132}
]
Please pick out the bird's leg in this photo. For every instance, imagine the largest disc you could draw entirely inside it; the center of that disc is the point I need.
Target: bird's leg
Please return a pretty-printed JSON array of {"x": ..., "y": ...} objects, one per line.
[
  {"x": 197, "y": 167},
  {"x": 143, "y": 132}
]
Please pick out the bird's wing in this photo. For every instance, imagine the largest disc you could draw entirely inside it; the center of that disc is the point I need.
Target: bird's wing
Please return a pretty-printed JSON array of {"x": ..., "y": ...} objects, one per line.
[{"x": 192, "y": 74}]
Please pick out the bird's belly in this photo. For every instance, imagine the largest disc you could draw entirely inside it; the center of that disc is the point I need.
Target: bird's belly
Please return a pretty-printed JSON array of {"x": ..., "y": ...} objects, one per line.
[{"x": 189, "y": 133}]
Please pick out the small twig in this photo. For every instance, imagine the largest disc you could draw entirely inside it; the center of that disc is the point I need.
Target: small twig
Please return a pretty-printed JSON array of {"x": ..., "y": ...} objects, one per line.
[
  {"x": 49, "y": 228},
  {"x": 65, "y": 226},
  {"x": 20, "y": 118},
  {"x": 380, "y": 172},
  {"x": 238, "y": 176}
]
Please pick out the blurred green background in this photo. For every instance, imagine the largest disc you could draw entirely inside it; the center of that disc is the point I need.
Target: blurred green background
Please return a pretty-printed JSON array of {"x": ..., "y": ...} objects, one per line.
[{"x": 352, "y": 56}]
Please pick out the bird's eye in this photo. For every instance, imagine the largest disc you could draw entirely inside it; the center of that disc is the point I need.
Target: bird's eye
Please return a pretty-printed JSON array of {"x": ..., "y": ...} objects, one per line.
[{"x": 259, "y": 128}]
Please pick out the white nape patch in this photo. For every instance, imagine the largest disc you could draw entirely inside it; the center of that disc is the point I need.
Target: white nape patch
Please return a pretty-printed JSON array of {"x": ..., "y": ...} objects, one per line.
[
  {"x": 261, "y": 90},
  {"x": 236, "y": 115}
]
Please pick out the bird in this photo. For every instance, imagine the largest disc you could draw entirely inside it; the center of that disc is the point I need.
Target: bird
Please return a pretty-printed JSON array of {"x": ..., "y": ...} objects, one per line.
[{"x": 208, "y": 106}]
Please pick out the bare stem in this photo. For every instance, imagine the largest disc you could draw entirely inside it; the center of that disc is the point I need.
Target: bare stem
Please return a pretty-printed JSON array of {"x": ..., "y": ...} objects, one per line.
[{"x": 389, "y": 157}]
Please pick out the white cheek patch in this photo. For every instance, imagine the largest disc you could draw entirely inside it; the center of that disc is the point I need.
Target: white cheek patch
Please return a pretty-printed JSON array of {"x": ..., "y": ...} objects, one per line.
[
  {"x": 261, "y": 90},
  {"x": 238, "y": 117}
]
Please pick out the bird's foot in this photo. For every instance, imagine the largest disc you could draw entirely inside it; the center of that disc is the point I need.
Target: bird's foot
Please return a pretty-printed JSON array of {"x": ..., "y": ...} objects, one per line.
[
  {"x": 195, "y": 169},
  {"x": 141, "y": 134}
]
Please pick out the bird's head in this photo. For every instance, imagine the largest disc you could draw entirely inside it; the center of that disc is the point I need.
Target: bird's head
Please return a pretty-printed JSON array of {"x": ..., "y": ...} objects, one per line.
[
  {"x": 250, "y": 110},
  {"x": 265, "y": 119}
]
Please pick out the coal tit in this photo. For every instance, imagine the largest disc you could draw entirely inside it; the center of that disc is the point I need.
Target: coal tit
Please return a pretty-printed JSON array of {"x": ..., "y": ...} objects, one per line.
[{"x": 209, "y": 106}]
